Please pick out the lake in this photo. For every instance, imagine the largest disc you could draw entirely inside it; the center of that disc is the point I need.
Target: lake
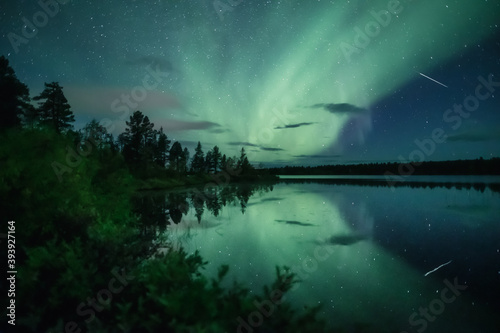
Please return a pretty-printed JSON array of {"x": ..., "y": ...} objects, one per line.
[{"x": 422, "y": 256}]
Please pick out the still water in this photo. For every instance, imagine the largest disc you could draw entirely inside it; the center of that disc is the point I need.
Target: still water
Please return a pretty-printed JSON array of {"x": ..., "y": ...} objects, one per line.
[{"x": 366, "y": 253}]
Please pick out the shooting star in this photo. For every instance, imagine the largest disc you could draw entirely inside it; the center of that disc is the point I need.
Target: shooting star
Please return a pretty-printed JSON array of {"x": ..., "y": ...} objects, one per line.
[
  {"x": 435, "y": 269},
  {"x": 430, "y": 78}
]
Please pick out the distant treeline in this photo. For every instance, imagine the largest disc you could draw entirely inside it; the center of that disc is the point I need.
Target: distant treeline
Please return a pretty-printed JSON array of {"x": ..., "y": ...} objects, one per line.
[{"x": 458, "y": 167}]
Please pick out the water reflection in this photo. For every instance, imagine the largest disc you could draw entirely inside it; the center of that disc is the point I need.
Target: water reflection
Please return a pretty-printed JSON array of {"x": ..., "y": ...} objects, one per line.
[
  {"x": 361, "y": 252},
  {"x": 158, "y": 209},
  {"x": 478, "y": 183}
]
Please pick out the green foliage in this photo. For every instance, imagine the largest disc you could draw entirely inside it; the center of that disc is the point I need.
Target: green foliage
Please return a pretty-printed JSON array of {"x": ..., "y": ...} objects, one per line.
[
  {"x": 66, "y": 231},
  {"x": 97, "y": 135},
  {"x": 71, "y": 234},
  {"x": 170, "y": 294},
  {"x": 70, "y": 194}
]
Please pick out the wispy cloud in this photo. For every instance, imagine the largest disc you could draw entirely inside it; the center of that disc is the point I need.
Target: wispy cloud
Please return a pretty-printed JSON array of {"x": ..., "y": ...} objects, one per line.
[
  {"x": 317, "y": 156},
  {"x": 220, "y": 130},
  {"x": 474, "y": 136},
  {"x": 271, "y": 149},
  {"x": 248, "y": 144},
  {"x": 172, "y": 125},
  {"x": 294, "y": 125},
  {"x": 105, "y": 100},
  {"x": 242, "y": 143},
  {"x": 339, "y": 108}
]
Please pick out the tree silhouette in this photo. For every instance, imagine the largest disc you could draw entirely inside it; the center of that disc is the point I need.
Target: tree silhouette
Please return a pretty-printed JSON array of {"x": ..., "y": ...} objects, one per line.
[
  {"x": 162, "y": 149},
  {"x": 223, "y": 162},
  {"x": 243, "y": 163},
  {"x": 231, "y": 163},
  {"x": 184, "y": 160},
  {"x": 14, "y": 96},
  {"x": 97, "y": 135},
  {"x": 197, "y": 165},
  {"x": 138, "y": 140},
  {"x": 54, "y": 110},
  {"x": 176, "y": 156},
  {"x": 394, "y": 170},
  {"x": 209, "y": 160},
  {"x": 216, "y": 159}
]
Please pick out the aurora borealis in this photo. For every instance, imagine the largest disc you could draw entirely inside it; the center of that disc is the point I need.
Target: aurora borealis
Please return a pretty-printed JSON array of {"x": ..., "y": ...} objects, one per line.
[{"x": 295, "y": 82}]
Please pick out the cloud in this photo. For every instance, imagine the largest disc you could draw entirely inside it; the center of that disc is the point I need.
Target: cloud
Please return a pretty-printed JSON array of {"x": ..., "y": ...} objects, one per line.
[
  {"x": 241, "y": 143},
  {"x": 294, "y": 125},
  {"x": 317, "y": 156},
  {"x": 172, "y": 125},
  {"x": 248, "y": 144},
  {"x": 271, "y": 149},
  {"x": 106, "y": 101},
  {"x": 220, "y": 130},
  {"x": 340, "y": 108},
  {"x": 474, "y": 136}
]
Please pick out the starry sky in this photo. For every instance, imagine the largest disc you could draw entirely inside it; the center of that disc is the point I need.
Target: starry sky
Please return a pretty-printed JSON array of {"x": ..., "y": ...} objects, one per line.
[{"x": 294, "y": 82}]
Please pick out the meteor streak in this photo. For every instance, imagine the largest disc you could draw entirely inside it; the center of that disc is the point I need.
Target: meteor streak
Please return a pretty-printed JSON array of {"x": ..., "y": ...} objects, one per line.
[
  {"x": 435, "y": 269},
  {"x": 430, "y": 78}
]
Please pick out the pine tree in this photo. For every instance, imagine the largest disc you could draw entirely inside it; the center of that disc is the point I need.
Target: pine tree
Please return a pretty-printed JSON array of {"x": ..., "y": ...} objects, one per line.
[
  {"x": 184, "y": 160},
  {"x": 150, "y": 143},
  {"x": 209, "y": 158},
  {"x": 14, "y": 96},
  {"x": 162, "y": 148},
  {"x": 197, "y": 165},
  {"x": 216, "y": 159},
  {"x": 176, "y": 156},
  {"x": 231, "y": 163},
  {"x": 53, "y": 109},
  {"x": 138, "y": 140},
  {"x": 243, "y": 163},
  {"x": 223, "y": 162}
]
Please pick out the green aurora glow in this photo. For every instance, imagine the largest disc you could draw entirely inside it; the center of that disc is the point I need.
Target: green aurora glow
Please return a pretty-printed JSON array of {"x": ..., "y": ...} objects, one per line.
[{"x": 244, "y": 79}]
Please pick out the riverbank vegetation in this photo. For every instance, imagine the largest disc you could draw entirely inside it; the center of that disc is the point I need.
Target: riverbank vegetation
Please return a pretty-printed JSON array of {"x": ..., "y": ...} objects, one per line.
[{"x": 84, "y": 262}]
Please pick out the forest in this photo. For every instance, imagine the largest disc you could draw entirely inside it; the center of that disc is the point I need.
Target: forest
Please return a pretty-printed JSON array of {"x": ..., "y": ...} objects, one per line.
[
  {"x": 87, "y": 255},
  {"x": 146, "y": 151}
]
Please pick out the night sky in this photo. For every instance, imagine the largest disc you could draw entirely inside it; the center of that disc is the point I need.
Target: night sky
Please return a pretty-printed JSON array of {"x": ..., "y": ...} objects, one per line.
[{"x": 295, "y": 82}]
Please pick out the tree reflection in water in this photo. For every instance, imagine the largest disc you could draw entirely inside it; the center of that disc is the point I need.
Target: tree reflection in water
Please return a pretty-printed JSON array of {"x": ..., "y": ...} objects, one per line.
[{"x": 158, "y": 209}]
